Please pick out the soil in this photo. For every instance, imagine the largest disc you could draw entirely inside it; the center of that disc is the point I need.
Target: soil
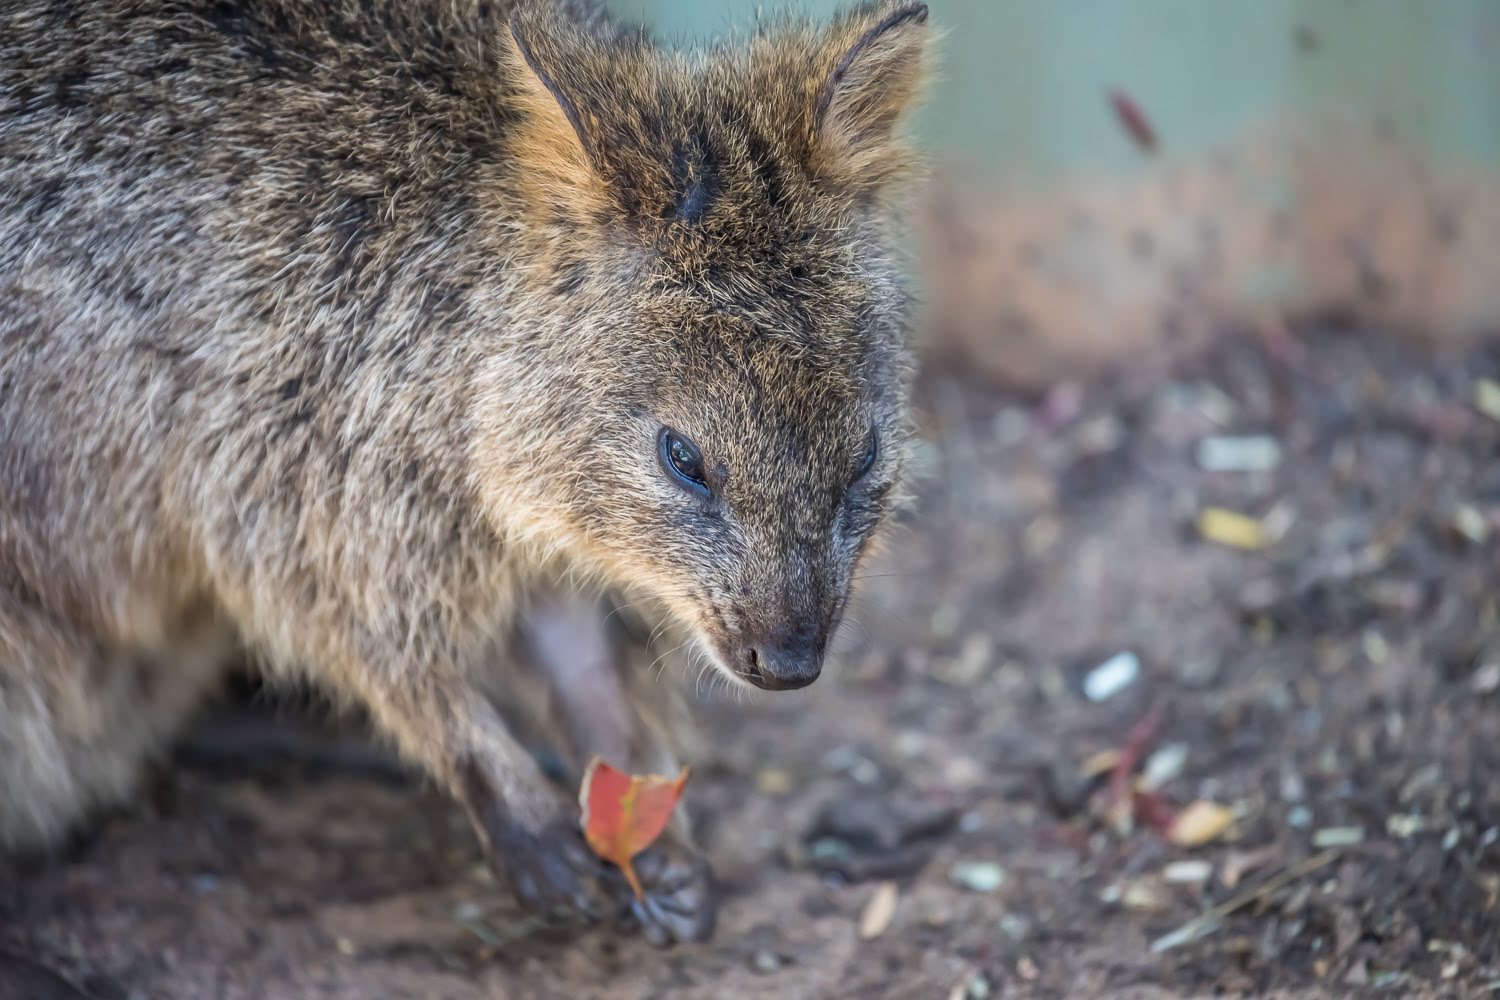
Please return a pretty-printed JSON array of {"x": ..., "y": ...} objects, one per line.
[{"x": 1337, "y": 689}]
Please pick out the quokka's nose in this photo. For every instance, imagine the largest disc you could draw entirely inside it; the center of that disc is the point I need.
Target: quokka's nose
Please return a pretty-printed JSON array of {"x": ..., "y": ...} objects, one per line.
[{"x": 783, "y": 662}]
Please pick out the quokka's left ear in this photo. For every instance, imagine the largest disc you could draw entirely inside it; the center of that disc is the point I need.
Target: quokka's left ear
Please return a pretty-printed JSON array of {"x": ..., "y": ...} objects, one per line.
[
  {"x": 871, "y": 74},
  {"x": 565, "y": 83}
]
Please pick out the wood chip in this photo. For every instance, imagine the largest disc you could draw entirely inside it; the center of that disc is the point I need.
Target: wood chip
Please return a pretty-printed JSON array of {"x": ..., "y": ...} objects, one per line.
[
  {"x": 1099, "y": 763},
  {"x": 1226, "y": 527},
  {"x": 773, "y": 781},
  {"x": 878, "y": 912},
  {"x": 1199, "y": 823}
]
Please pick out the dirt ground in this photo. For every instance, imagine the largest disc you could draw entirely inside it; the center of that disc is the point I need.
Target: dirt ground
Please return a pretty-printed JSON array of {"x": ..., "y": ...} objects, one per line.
[{"x": 1336, "y": 687}]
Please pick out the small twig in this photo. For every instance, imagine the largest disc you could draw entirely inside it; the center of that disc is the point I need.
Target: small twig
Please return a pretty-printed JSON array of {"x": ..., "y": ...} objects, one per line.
[{"x": 1208, "y": 921}]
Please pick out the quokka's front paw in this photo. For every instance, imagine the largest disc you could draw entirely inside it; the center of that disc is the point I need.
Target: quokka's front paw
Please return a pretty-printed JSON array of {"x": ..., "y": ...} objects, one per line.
[
  {"x": 681, "y": 902},
  {"x": 553, "y": 872},
  {"x": 550, "y": 867}
]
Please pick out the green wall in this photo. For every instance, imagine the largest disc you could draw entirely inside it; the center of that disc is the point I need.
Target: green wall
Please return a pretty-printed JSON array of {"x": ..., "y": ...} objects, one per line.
[{"x": 1022, "y": 83}]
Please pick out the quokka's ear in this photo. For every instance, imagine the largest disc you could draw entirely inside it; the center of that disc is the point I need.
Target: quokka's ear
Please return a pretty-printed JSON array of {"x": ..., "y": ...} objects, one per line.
[
  {"x": 871, "y": 75},
  {"x": 556, "y": 139}
]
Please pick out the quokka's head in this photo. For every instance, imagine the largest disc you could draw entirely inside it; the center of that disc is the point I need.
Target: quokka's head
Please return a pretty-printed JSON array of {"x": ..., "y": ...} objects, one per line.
[{"x": 710, "y": 240}]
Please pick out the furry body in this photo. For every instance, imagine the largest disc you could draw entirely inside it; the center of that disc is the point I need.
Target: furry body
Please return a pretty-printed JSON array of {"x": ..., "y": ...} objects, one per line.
[{"x": 331, "y": 331}]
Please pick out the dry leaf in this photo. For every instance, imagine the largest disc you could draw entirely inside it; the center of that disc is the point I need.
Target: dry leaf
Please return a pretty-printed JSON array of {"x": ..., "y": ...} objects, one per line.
[
  {"x": 878, "y": 912},
  {"x": 1133, "y": 120},
  {"x": 1199, "y": 823},
  {"x": 1230, "y": 528},
  {"x": 624, "y": 813}
]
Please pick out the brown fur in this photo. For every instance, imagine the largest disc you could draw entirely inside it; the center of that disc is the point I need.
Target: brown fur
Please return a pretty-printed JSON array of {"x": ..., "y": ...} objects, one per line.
[{"x": 334, "y": 330}]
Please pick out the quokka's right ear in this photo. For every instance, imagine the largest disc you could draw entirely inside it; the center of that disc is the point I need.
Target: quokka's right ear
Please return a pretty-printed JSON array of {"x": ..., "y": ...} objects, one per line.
[{"x": 557, "y": 140}]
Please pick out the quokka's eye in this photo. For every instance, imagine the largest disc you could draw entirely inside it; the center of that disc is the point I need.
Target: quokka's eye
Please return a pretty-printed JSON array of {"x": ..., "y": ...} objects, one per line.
[
  {"x": 872, "y": 453},
  {"x": 682, "y": 460}
]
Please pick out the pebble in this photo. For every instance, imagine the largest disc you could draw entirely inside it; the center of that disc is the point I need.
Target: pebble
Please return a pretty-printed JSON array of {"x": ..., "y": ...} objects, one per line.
[
  {"x": 1487, "y": 398},
  {"x": 1486, "y": 679},
  {"x": 972, "y": 987},
  {"x": 847, "y": 760},
  {"x": 978, "y": 876},
  {"x": 1338, "y": 836},
  {"x": 1188, "y": 871},
  {"x": 910, "y": 744},
  {"x": 1144, "y": 895},
  {"x": 944, "y": 622},
  {"x": 1066, "y": 787},
  {"x": 1470, "y": 523},
  {"x": 1199, "y": 671},
  {"x": 1015, "y": 926},
  {"x": 765, "y": 961},
  {"x": 1111, "y": 677},
  {"x": 1404, "y": 825},
  {"x": 1257, "y": 453},
  {"x": 1164, "y": 766},
  {"x": 831, "y": 849}
]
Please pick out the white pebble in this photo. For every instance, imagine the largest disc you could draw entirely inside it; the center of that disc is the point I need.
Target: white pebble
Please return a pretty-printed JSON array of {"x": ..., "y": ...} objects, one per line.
[
  {"x": 980, "y": 876},
  {"x": 1239, "y": 454},
  {"x": 1112, "y": 676},
  {"x": 1164, "y": 766},
  {"x": 1188, "y": 871},
  {"x": 1338, "y": 836}
]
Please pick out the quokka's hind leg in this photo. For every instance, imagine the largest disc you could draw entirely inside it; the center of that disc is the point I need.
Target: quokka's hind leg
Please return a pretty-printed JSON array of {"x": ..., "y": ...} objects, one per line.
[
  {"x": 611, "y": 703},
  {"x": 78, "y": 721}
]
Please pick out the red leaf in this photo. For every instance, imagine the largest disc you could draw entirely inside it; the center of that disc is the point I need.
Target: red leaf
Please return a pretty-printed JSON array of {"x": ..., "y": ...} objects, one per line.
[
  {"x": 623, "y": 814},
  {"x": 1155, "y": 812},
  {"x": 1120, "y": 802},
  {"x": 1133, "y": 120}
]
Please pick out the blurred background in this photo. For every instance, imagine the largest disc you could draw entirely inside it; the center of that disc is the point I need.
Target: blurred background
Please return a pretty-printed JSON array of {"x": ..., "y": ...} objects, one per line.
[{"x": 1118, "y": 176}]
